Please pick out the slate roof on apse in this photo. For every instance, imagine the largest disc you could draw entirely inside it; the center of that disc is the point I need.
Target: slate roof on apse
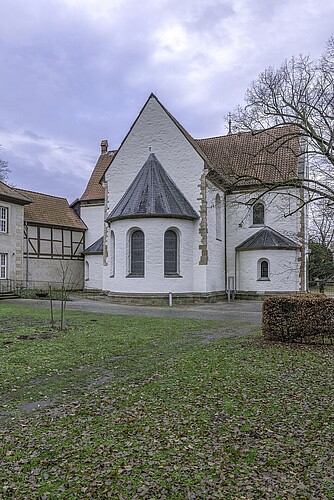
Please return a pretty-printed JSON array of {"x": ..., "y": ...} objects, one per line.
[
  {"x": 153, "y": 193},
  {"x": 268, "y": 238},
  {"x": 95, "y": 248}
]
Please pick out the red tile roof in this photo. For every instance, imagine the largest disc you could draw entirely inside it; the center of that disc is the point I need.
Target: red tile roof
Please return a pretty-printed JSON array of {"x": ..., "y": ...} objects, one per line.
[
  {"x": 245, "y": 159},
  {"x": 11, "y": 194},
  {"x": 50, "y": 210},
  {"x": 95, "y": 190}
]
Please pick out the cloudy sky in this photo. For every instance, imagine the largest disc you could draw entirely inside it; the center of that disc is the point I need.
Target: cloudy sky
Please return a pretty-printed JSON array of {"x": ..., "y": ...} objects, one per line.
[{"x": 74, "y": 72}]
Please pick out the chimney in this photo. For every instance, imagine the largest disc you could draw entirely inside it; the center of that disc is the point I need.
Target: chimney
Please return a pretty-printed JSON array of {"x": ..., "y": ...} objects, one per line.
[{"x": 104, "y": 147}]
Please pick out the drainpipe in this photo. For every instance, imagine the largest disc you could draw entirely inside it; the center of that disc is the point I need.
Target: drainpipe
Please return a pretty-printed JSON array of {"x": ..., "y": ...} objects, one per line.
[
  {"x": 225, "y": 241},
  {"x": 27, "y": 255}
]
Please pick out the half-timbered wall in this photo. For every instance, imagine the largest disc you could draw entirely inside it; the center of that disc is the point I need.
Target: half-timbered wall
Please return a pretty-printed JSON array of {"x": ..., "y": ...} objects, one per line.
[
  {"x": 54, "y": 243},
  {"x": 52, "y": 254}
]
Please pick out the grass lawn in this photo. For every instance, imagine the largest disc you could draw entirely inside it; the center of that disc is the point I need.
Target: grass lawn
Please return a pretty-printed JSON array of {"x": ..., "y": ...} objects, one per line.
[{"x": 126, "y": 408}]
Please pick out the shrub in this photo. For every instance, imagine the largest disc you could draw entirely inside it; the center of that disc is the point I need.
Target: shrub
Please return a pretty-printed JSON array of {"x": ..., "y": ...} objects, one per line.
[{"x": 289, "y": 318}]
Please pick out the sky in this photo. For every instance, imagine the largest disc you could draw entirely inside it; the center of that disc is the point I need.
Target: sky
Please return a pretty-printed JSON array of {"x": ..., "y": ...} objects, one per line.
[{"x": 75, "y": 72}]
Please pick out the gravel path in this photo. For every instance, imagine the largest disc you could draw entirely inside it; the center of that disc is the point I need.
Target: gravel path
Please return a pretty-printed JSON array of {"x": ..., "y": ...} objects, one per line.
[{"x": 245, "y": 311}]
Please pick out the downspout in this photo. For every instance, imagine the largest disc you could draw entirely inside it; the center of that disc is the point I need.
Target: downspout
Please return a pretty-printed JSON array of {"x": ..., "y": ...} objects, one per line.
[
  {"x": 27, "y": 255},
  {"x": 225, "y": 243}
]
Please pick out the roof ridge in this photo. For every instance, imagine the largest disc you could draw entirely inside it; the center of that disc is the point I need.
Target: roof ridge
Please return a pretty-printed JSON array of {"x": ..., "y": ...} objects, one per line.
[{"x": 42, "y": 194}]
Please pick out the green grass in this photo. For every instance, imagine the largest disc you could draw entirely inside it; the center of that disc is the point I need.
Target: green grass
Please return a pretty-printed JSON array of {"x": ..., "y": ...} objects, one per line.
[{"x": 152, "y": 408}]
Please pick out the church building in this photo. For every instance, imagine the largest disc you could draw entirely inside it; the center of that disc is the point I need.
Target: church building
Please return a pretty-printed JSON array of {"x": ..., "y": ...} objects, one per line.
[{"x": 167, "y": 213}]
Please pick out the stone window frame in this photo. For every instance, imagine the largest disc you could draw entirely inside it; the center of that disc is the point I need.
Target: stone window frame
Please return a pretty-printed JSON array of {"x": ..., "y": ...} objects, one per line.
[
  {"x": 218, "y": 212},
  {"x": 3, "y": 219},
  {"x": 131, "y": 263},
  {"x": 258, "y": 219},
  {"x": 263, "y": 270},
  {"x": 175, "y": 272},
  {"x": 112, "y": 254},
  {"x": 3, "y": 265}
]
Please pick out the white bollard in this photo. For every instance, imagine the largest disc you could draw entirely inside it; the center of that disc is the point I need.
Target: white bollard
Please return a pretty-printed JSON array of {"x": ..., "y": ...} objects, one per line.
[{"x": 170, "y": 296}]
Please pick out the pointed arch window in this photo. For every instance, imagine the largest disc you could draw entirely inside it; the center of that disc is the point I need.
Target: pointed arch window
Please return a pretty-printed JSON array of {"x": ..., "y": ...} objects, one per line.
[
  {"x": 171, "y": 253},
  {"x": 258, "y": 214},
  {"x": 137, "y": 253}
]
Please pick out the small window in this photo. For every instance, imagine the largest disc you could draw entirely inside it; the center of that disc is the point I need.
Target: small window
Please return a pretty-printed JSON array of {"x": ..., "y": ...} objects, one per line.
[
  {"x": 112, "y": 254},
  {"x": 3, "y": 220},
  {"x": 171, "y": 250},
  {"x": 137, "y": 253},
  {"x": 218, "y": 218},
  {"x": 3, "y": 265},
  {"x": 263, "y": 269},
  {"x": 258, "y": 214}
]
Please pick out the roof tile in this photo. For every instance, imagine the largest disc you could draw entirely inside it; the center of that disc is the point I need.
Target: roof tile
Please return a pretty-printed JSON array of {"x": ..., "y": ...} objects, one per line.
[
  {"x": 50, "y": 210},
  {"x": 95, "y": 190}
]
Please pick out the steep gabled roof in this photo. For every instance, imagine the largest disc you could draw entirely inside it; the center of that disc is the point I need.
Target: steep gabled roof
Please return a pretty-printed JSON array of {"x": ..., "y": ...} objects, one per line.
[
  {"x": 50, "y": 210},
  {"x": 12, "y": 195},
  {"x": 268, "y": 238},
  {"x": 153, "y": 194},
  {"x": 237, "y": 160},
  {"x": 95, "y": 248},
  {"x": 94, "y": 190}
]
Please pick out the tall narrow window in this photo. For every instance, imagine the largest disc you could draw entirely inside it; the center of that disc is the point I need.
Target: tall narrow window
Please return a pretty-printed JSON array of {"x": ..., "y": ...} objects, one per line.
[
  {"x": 170, "y": 253},
  {"x": 3, "y": 265},
  {"x": 112, "y": 254},
  {"x": 218, "y": 218},
  {"x": 263, "y": 269},
  {"x": 258, "y": 214},
  {"x": 137, "y": 253},
  {"x": 3, "y": 220},
  {"x": 86, "y": 271}
]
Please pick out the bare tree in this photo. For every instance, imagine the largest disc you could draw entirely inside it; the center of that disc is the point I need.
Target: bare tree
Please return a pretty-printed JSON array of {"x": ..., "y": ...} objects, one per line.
[
  {"x": 298, "y": 99},
  {"x": 322, "y": 223},
  {"x": 4, "y": 170}
]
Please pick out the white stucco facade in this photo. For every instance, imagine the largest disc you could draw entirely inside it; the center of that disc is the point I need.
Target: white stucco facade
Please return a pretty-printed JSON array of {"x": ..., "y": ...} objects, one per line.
[
  {"x": 116, "y": 272},
  {"x": 93, "y": 216},
  {"x": 207, "y": 246},
  {"x": 284, "y": 268}
]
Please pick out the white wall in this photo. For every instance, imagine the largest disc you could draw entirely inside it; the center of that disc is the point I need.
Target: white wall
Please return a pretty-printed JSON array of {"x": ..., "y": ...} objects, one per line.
[
  {"x": 93, "y": 217},
  {"x": 94, "y": 272},
  {"x": 154, "y": 129},
  {"x": 283, "y": 271},
  {"x": 154, "y": 280},
  {"x": 215, "y": 272},
  {"x": 278, "y": 205}
]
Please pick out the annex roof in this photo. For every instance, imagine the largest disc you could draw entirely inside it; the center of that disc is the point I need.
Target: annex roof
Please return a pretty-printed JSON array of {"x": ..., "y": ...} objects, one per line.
[
  {"x": 248, "y": 158},
  {"x": 95, "y": 248},
  {"x": 268, "y": 238},
  {"x": 12, "y": 195},
  {"x": 153, "y": 194},
  {"x": 50, "y": 210},
  {"x": 95, "y": 190}
]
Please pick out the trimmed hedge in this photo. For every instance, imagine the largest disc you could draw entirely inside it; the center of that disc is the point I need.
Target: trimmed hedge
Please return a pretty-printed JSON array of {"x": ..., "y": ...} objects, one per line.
[{"x": 290, "y": 318}]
